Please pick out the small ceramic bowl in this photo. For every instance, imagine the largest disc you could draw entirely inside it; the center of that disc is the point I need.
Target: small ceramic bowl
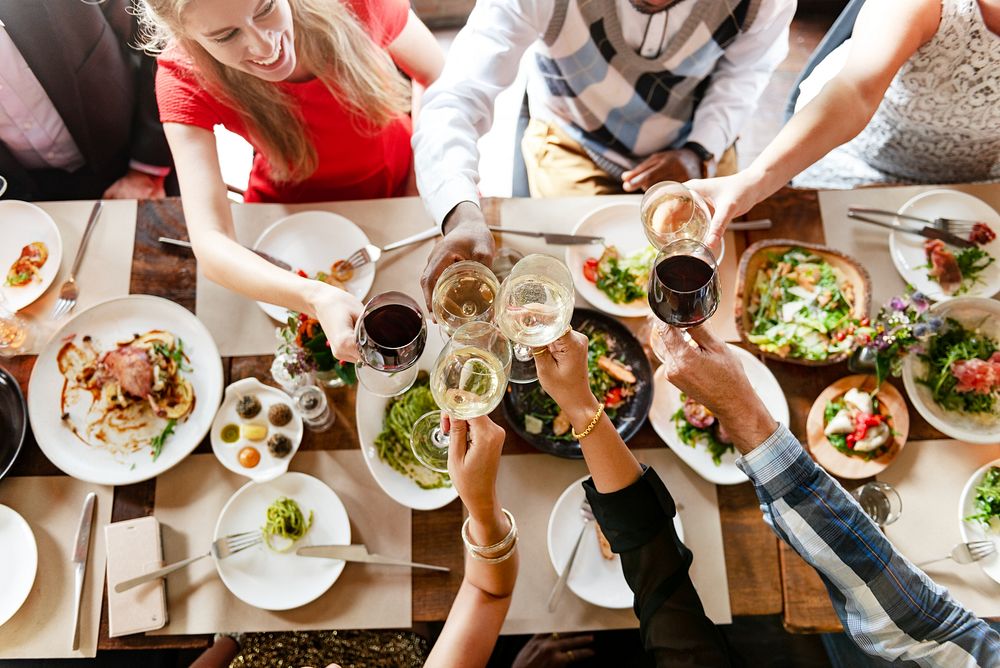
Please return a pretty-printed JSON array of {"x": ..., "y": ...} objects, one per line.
[
  {"x": 228, "y": 450},
  {"x": 753, "y": 259},
  {"x": 848, "y": 466}
]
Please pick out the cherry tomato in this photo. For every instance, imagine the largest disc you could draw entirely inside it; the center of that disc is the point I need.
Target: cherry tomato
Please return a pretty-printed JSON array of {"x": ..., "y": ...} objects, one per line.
[
  {"x": 865, "y": 322},
  {"x": 613, "y": 398},
  {"x": 301, "y": 273},
  {"x": 590, "y": 269}
]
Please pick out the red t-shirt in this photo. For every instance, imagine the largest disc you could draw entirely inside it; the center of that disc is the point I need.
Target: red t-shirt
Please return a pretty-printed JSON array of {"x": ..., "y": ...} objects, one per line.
[{"x": 357, "y": 160}]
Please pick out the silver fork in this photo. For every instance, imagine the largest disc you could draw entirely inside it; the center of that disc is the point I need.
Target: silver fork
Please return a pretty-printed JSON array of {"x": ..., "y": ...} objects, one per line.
[
  {"x": 967, "y": 553},
  {"x": 68, "y": 293},
  {"x": 588, "y": 517},
  {"x": 226, "y": 546},
  {"x": 955, "y": 225},
  {"x": 372, "y": 253}
]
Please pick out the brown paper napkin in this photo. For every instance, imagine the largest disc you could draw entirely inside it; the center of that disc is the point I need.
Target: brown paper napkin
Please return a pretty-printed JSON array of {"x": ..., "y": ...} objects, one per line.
[
  {"x": 930, "y": 476},
  {"x": 870, "y": 244},
  {"x": 563, "y": 214},
  {"x": 42, "y": 628},
  {"x": 238, "y": 325},
  {"x": 106, "y": 270},
  {"x": 189, "y": 498},
  {"x": 529, "y": 486}
]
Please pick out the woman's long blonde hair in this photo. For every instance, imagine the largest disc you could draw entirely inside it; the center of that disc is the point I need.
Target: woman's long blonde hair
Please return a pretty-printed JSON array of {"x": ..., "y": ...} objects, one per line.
[{"x": 329, "y": 41}]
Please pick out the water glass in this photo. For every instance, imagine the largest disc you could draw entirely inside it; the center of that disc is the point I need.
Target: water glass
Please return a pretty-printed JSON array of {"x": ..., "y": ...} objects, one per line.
[
  {"x": 314, "y": 408},
  {"x": 880, "y": 501}
]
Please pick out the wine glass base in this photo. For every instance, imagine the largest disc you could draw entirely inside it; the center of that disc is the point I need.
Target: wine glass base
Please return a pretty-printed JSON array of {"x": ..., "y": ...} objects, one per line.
[
  {"x": 429, "y": 443},
  {"x": 522, "y": 371},
  {"x": 384, "y": 384}
]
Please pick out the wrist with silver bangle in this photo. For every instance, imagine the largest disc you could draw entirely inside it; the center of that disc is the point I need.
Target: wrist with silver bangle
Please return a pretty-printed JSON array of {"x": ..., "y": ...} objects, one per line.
[{"x": 499, "y": 551}]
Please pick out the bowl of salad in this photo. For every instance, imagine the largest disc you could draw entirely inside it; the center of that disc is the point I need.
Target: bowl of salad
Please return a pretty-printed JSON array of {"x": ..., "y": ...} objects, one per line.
[
  {"x": 856, "y": 427},
  {"x": 954, "y": 381},
  {"x": 800, "y": 302},
  {"x": 979, "y": 513},
  {"x": 620, "y": 376}
]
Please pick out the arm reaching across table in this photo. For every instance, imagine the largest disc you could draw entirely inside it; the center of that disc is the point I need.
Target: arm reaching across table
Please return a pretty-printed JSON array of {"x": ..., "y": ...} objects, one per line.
[{"x": 888, "y": 607}]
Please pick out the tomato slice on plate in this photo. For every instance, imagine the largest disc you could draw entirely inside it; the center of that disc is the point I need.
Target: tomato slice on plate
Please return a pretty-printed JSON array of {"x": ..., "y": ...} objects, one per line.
[{"x": 590, "y": 269}]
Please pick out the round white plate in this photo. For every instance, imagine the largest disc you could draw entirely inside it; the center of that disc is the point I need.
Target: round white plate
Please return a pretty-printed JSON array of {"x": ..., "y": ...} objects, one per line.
[
  {"x": 269, "y": 467},
  {"x": 271, "y": 580},
  {"x": 18, "y": 562},
  {"x": 667, "y": 399},
  {"x": 370, "y": 413},
  {"x": 312, "y": 241},
  {"x": 22, "y": 223},
  {"x": 976, "y": 531},
  {"x": 620, "y": 226},
  {"x": 970, "y": 311},
  {"x": 907, "y": 250},
  {"x": 595, "y": 579},
  {"x": 109, "y": 322}
]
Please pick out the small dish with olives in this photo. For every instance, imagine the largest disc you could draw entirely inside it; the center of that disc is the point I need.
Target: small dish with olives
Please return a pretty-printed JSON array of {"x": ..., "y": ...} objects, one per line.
[{"x": 256, "y": 431}]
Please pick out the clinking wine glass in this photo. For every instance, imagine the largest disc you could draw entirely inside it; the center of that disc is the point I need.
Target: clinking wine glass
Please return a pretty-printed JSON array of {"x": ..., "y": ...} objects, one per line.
[
  {"x": 671, "y": 211},
  {"x": 534, "y": 308},
  {"x": 390, "y": 336},
  {"x": 468, "y": 380},
  {"x": 465, "y": 292},
  {"x": 683, "y": 288}
]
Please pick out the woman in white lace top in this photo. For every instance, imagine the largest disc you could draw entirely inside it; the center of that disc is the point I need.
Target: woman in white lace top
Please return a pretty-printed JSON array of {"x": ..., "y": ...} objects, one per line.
[{"x": 916, "y": 100}]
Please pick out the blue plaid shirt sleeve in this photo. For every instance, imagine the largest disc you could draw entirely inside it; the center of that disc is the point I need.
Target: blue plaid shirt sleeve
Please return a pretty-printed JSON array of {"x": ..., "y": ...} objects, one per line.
[{"x": 888, "y": 607}]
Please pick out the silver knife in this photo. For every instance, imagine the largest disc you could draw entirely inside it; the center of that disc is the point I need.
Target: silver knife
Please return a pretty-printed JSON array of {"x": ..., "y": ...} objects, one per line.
[
  {"x": 359, "y": 553},
  {"x": 280, "y": 264},
  {"x": 81, "y": 551},
  {"x": 927, "y": 232},
  {"x": 552, "y": 237}
]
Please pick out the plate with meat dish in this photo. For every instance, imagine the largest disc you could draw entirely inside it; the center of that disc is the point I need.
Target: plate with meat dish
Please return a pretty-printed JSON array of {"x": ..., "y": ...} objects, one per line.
[
  {"x": 620, "y": 377},
  {"x": 942, "y": 271},
  {"x": 125, "y": 390},
  {"x": 30, "y": 253},
  {"x": 316, "y": 245},
  {"x": 954, "y": 380},
  {"x": 696, "y": 435},
  {"x": 597, "y": 575}
]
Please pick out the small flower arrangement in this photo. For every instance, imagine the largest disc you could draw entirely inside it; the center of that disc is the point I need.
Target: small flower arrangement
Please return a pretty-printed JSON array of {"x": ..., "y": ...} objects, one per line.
[
  {"x": 903, "y": 325},
  {"x": 304, "y": 349}
]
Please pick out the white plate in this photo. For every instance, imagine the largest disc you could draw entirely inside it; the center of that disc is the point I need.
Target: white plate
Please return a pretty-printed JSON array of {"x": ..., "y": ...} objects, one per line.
[
  {"x": 969, "y": 311},
  {"x": 620, "y": 226},
  {"x": 976, "y": 531},
  {"x": 907, "y": 250},
  {"x": 269, "y": 467},
  {"x": 370, "y": 412},
  {"x": 312, "y": 241},
  {"x": 271, "y": 580},
  {"x": 22, "y": 223},
  {"x": 595, "y": 579},
  {"x": 18, "y": 562},
  {"x": 667, "y": 399},
  {"x": 109, "y": 322}
]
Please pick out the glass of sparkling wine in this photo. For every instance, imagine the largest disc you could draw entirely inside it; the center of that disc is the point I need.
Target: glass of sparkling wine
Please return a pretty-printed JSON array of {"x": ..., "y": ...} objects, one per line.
[
  {"x": 534, "y": 308},
  {"x": 390, "y": 335},
  {"x": 468, "y": 380},
  {"x": 464, "y": 293},
  {"x": 670, "y": 211},
  {"x": 14, "y": 331}
]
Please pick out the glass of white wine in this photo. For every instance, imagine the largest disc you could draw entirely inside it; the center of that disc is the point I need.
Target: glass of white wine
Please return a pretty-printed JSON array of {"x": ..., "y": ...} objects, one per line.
[
  {"x": 468, "y": 380},
  {"x": 670, "y": 211},
  {"x": 464, "y": 293},
  {"x": 534, "y": 308}
]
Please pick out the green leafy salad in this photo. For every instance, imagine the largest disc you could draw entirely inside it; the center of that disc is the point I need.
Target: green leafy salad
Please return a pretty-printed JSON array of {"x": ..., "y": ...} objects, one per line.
[
  {"x": 963, "y": 369},
  {"x": 987, "y": 498},
  {"x": 609, "y": 379},
  {"x": 696, "y": 425},
  {"x": 801, "y": 306},
  {"x": 393, "y": 444},
  {"x": 622, "y": 278}
]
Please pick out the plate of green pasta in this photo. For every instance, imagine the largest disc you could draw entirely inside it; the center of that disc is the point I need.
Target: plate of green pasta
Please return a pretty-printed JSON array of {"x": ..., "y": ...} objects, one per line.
[{"x": 384, "y": 425}]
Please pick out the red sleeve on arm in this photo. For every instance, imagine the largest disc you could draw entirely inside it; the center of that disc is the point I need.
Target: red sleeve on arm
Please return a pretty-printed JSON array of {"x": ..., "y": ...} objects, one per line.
[
  {"x": 180, "y": 97},
  {"x": 382, "y": 19}
]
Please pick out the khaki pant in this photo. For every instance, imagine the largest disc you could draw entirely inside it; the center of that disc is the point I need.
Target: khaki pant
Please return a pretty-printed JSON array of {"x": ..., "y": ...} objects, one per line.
[{"x": 559, "y": 167}]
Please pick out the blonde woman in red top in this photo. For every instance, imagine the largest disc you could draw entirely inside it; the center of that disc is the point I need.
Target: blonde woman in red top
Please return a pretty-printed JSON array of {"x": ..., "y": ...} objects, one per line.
[{"x": 313, "y": 85}]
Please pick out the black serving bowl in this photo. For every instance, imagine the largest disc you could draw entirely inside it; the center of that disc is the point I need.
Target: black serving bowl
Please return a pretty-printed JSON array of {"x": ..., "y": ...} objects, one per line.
[
  {"x": 13, "y": 421},
  {"x": 630, "y": 417}
]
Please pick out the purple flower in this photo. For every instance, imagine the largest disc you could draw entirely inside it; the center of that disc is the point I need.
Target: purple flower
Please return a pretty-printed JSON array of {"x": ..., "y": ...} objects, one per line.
[
  {"x": 898, "y": 304},
  {"x": 920, "y": 302},
  {"x": 935, "y": 323},
  {"x": 922, "y": 329}
]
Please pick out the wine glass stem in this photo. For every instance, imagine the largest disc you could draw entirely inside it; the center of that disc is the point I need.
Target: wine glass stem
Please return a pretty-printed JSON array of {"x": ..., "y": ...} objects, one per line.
[
  {"x": 522, "y": 352},
  {"x": 439, "y": 438}
]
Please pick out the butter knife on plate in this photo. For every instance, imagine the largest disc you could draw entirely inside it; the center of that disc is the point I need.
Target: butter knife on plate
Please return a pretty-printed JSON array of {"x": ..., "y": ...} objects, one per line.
[
  {"x": 81, "y": 552},
  {"x": 927, "y": 232},
  {"x": 359, "y": 553},
  {"x": 552, "y": 237}
]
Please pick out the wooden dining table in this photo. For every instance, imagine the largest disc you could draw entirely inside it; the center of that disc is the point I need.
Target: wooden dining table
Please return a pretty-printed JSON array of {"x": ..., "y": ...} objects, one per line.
[{"x": 765, "y": 577}]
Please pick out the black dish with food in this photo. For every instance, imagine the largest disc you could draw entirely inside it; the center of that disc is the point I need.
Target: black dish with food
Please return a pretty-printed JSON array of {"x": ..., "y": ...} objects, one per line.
[
  {"x": 628, "y": 417},
  {"x": 13, "y": 421}
]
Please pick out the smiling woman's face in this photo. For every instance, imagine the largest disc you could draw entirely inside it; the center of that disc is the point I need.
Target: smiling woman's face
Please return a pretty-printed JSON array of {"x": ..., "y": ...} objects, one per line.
[{"x": 254, "y": 36}]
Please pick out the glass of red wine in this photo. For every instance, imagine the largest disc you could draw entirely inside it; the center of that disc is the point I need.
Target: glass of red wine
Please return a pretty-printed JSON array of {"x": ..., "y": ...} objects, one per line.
[
  {"x": 684, "y": 284},
  {"x": 390, "y": 336}
]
